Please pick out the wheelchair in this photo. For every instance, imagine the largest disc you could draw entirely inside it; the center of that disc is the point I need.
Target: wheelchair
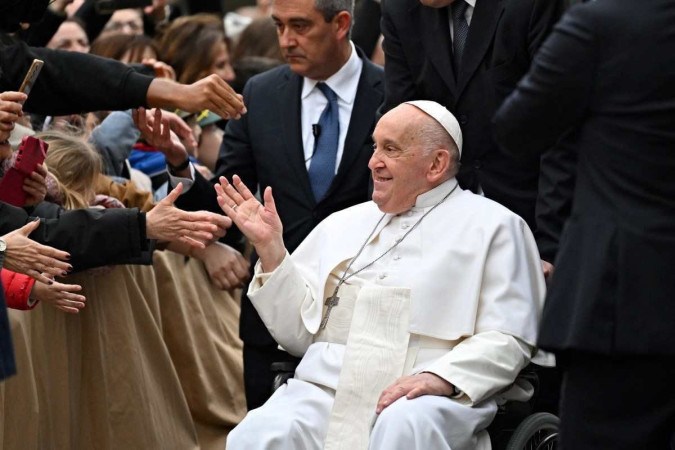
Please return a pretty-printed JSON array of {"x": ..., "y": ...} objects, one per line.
[{"x": 515, "y": 427}]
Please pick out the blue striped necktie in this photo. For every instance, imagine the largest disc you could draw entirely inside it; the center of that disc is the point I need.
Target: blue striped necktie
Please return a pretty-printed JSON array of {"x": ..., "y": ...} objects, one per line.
[{"x": 322, "y": 167}]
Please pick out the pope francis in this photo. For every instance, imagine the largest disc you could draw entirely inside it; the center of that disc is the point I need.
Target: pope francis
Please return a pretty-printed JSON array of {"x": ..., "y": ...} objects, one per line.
[{"x": 413, "y": 313}]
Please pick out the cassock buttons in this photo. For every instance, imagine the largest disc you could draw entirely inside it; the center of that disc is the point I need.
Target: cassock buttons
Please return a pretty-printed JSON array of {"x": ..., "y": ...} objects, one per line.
[
  {"x": 383, "y": 276},
  {"x": 405, "y": 226},
  {"x": 397, "y": 257},
  {"x": 399, "y": 238}
]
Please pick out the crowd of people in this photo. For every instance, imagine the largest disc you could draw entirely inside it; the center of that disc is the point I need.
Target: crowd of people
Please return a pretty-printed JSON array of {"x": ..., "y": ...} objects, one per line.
[{"x": 407, "y": 202}]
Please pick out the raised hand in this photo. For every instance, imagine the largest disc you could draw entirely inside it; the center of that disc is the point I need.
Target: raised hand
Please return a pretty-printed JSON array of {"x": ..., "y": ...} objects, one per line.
[
  {"x": 168, "y": 223},
  {"x": 61, "y": 296},
  {"x": 24, "y": 255},
  {"x": 260, "y": 224},
  {"x": 166, "y": 132}
]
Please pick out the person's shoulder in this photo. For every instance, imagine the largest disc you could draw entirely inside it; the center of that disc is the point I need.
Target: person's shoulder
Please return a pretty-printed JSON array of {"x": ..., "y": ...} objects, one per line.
[
  {"x": 271, "y": 77},
  {"x": 485, "y": 211},
  {"x": 372, "y": 68},
  {"x": 372, "y": 73},
  {"x": 399, "y": 6},
  {"x": 352, "y": 215}
]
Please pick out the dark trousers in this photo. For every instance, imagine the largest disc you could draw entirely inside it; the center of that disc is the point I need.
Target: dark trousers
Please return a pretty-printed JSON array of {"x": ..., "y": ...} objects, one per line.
[
  {"x": 617, "y": 402},
  {"x": 258, "y": 376}
]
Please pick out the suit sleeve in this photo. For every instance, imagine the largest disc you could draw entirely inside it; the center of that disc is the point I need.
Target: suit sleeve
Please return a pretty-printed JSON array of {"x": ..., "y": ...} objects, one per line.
[
  {"x": 553, "y": 96},
  {"x": 72, "y": 82}
]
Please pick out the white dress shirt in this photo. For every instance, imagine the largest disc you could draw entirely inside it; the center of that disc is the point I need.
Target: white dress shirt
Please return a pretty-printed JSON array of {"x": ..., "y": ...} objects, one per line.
[{"x": 344, "y": 83}]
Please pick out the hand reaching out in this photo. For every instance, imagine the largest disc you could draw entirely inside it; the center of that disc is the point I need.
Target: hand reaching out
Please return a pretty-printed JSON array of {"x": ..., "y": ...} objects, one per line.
[
  {"x": 60, "y": 296},
  {"x": 23, "y": 255},
  {"x": 168, "y": 223},
  {"x": 211, "y": 93},
  {"x": 260, "y": 224}
]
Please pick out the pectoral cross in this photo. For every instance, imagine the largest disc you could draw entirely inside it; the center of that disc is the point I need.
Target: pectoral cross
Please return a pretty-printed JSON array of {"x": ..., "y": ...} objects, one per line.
[{"x": 331, "y": 302}]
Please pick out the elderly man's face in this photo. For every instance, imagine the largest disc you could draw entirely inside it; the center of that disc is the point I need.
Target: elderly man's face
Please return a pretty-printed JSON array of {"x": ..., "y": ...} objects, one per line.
[{"x": 399, "y": 166}]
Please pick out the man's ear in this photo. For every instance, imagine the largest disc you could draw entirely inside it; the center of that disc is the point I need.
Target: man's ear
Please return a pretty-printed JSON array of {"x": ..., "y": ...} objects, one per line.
[
  {"x": 343, "y": 22},
  {"x": 440, "y": 165}
]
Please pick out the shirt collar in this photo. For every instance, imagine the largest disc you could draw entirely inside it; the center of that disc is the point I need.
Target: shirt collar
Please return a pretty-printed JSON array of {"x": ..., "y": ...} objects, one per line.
[
  {"x": 344, "y": 82},
  {"x": 472, "y": 3},
  {"x": 435, "y": 195}
]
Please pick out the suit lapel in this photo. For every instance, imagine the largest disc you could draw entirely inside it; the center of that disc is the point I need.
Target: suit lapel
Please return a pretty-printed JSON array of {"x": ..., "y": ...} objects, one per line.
[
  {"x": 437, "y": 42},
  {"x": 481, "y": 32},
  {"x": 288, "y": 110},
  {"x": 361, "y": 121}
]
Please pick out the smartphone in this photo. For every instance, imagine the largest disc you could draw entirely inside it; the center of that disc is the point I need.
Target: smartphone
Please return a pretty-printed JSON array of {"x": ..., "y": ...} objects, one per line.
[
  {"x": 31, "y": 76},
  {"x": 110, "y": 6},
  {"x": 32, "y": 152}
]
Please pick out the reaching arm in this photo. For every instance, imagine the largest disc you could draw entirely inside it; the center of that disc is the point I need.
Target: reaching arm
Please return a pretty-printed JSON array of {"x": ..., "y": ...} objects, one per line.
[{"x": 73, "y": 82}]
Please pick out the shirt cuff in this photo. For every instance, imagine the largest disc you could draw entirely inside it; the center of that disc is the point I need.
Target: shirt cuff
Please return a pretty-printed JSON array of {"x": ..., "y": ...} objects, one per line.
[{"x": 187, "y": 182}]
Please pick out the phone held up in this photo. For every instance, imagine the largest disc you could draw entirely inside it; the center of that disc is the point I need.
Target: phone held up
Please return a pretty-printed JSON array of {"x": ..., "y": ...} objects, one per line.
[
  {"x": 110, "y": 6},
  {"x": 32, "y": 152},
  {"x": 31, "y": 76}
]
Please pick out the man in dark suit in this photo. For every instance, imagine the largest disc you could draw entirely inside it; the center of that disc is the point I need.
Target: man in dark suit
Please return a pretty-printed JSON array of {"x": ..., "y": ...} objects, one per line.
[
  {"x": 468, "y": 55},
  {"x": 607, "y": 75},
  {"x": 292, "y": 124}
]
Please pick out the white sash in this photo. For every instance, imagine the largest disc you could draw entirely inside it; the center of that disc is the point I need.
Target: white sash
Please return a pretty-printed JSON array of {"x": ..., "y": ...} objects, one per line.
[{"x": 374, "y": 358}]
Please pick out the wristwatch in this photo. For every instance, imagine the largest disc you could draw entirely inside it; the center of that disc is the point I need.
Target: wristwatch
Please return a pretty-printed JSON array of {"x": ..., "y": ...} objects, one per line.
[{"x": 3, "y": 247}]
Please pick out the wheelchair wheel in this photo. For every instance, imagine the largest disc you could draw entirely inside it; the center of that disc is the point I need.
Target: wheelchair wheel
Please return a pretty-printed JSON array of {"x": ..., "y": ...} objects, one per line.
[{"x": 537, "y": 432}]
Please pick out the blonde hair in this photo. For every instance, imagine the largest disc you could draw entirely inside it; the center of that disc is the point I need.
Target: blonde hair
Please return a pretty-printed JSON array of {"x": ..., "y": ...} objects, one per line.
[{"x": 75, "y": 164}]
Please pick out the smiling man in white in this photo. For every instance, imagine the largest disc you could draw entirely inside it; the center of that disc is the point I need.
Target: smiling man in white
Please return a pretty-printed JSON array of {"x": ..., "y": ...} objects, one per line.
[{"x": 412, "y": 312}]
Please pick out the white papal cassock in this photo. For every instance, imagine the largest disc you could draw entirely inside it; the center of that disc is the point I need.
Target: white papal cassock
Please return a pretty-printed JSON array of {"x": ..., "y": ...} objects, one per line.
[{"x": 461, "y": 295}]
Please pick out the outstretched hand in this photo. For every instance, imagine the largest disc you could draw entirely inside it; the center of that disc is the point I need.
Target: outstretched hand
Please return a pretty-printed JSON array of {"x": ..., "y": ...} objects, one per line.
[
  {"x": 260, "y": 224},
  {"x": 59, "y": 295},
  {"x": 168, "y": 223},
  {"x": 24, "y": 255}
]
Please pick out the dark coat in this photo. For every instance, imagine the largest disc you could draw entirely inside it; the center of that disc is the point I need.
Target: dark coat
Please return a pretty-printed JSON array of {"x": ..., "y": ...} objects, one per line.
[
  {"x": 71, "y": 82},
  {"x": 503, "y": 37},
  {"x": 607, "y": 75}
]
